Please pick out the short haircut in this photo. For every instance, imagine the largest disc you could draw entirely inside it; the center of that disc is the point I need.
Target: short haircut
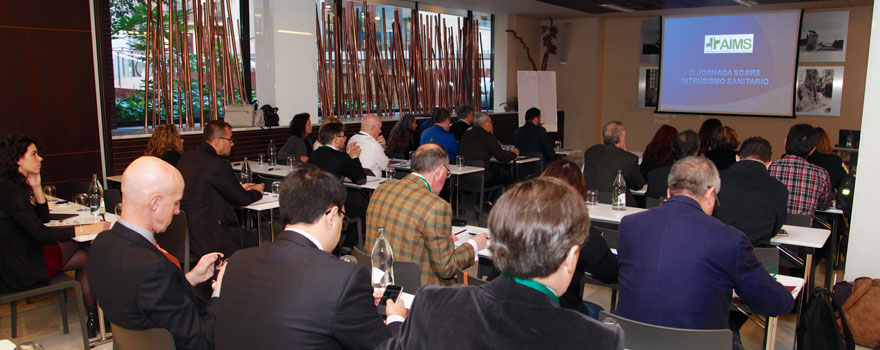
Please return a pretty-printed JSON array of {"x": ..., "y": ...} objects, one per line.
[
  {"x": 215, "y": 129},
  {"x": 534, "y": 225},
  {"x": 569, "y": 172},
  {"x": 823, "y": 143},
  {"x": 464, "y": 110},
  {"x": 427, "y": 157},
  {"x": 694, "y": 174},
  {"x": 801, "y": 140},
  {"x": 725, "y": 138},
  {"x": 298, "y": 124},
  {"x": 611, "y": 132},
  {"x": 328, "y": 132},
  {"x": 440, "y": 115},
  {"x": 481, "y": 119},
  {"x": 307, "y": 192},
  {"x": 686, "y": 143},
  {"x": 756, "y": 147},
  {"x": 532, "y": 113}
]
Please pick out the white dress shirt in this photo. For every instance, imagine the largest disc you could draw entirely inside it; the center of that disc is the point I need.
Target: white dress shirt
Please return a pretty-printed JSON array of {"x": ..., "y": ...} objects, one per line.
[{"x": 372, "y": 154}]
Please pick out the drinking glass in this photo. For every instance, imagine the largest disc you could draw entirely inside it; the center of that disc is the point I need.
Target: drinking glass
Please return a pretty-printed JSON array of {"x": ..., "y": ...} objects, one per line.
[
  {"x": 411, "y": 155},
  {"x": 49, "y": 191},
  {"x": 389, "y": 174},
  {"x": 459, "y": 160},
  {"x": 592, "y": 197},
  {"x": 83, "y": 200},
  {"x": 118, "y": 210},
  {"x": 558, "y": 145},
  {"x": 262, "y": 157},
  {"x": 291, "y": 161},
  {"x": 276, "y": 187}
]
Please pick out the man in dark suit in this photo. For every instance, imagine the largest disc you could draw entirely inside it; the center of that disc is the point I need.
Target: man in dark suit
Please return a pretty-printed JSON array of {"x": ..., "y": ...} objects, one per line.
[
  {"x": 602, "y": 162},
  {"x": 332, "y": 159},
  {"x": 479, "y": 143},
  {"x": 293, "y": 293},
  {"x": 212, "y": 193},
  {"x": 679, "y": 265},
  {"x": 533, "y": 138},
  {"x": 137, "y": 283},
  {"x": 754, "y": 202},
  {"x": 519, "y": 309},
  {"x": 465, "y": 115},
  {"x": 685, "y": 144}
]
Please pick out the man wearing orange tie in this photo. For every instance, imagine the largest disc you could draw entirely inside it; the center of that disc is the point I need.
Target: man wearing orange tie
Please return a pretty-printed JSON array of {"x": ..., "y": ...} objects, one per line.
[{"x": 137, "y": 283}]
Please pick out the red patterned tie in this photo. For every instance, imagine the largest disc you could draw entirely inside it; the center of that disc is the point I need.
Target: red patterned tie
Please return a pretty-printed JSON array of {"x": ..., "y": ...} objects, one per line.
[{"x": 168, "y": 255}]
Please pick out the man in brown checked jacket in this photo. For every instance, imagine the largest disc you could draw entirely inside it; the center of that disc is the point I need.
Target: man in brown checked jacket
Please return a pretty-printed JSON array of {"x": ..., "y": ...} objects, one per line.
[{"x": 418, "y": 223}]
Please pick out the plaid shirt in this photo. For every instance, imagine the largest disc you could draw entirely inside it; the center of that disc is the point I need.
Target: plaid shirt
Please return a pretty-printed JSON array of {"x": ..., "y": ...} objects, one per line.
[
  {"x": 418, "y": 225},
  {"x": 809, "y": 186}
]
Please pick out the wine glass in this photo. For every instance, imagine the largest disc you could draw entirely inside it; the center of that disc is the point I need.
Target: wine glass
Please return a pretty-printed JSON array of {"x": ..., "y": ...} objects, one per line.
[
  {"x": 49, "y": 192},
  {"x": 82, "y": 199}
]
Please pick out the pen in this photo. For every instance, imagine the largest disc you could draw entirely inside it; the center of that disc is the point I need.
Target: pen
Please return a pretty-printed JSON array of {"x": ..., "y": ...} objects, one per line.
[
  {"x": 62, "y": 202},
  {"x": 472, "y": 234},
  {"x": 102, "y": 217},
  {"x": 455, "y": 234},
  {"x": 271, "y": 169}
]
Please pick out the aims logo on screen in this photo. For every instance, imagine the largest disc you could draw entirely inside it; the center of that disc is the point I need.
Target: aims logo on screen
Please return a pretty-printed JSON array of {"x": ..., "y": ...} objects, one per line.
[{"x": 729, "y": 43}]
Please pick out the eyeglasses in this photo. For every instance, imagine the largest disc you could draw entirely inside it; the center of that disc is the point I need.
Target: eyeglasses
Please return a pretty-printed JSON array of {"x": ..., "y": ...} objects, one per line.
[
  {"x": 342, "y": 136},
  {"x": 227, "y": 139},
  {"x": 345, "y": 219},
  {"x": 448, "y": 173}
]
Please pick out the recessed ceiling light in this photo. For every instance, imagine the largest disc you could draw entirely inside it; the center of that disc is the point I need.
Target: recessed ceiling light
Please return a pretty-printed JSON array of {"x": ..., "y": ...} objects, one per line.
[{"x": 618, "y": 8}]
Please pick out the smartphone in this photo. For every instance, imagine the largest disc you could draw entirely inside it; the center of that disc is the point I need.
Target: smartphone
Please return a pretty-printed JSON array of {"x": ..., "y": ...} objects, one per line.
[{"x": 391, "y": 292}]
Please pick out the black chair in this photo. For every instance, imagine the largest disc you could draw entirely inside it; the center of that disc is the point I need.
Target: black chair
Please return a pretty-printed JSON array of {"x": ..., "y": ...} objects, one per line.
[
  {"x": 474, "y": 183},
  {"x": 362, "y": 258},
  {"x": 59, "y": 284},
  {"x": 111, "y": 199},
  {"x": 392, "y": 155},
  {"x": 799, "y": 220},
  {"x": 651, "y": 202},
  {"x": 537, "y": 167},
  {"x": 609, "y": 232},
  {"x": 408, "y": 276},
  {"x": 175, "y": 240},
  {"x": 147, "y": 339},
  {"x": 470, "y": 280},
  {"x": 640, "y": 335},
  {"x": 267, "y": 180}
]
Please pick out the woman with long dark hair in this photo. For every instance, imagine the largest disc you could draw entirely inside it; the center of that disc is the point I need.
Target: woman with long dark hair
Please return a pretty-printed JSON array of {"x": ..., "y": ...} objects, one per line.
[
  {"x": 403, "y": 137},
  {"x": 706, "y": 133},
  {"x": 165, "y": 143},
  {"x": 30, "y": 252},
  {"x": 824, "y": 157},
  {"x": 297, "y": 145},
  {"x": 658, "y": 152}
]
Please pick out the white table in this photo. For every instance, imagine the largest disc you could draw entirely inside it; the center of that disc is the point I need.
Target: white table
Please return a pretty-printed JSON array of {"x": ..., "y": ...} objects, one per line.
[
  {"x": 83, "y": 217},
  {"x": 602, "y": 212},
  {"x": 277, "y": 170},
  {"x": 564, "y": 152},
  {"x": 770, "y": 329},
  {"x": 372, "y": 183},
  {"x": 462, "y": 234},
  {"x": 516, "y": 163},
  {"x": 268, "y": 202}
]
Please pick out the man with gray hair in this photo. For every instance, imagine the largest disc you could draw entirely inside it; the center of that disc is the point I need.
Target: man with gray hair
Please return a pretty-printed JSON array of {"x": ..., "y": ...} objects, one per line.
[
  {"x": 372, "y": 145},
  {"x": 602, "y": 162},
  {"x": 679, "y": 265},
  {"x": 480, "y": 144},
  {"x": 537, "y": 229}
]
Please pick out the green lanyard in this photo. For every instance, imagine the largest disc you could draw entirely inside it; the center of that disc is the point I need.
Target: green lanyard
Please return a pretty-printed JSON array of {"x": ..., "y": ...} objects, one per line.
[
  {"x": 426, "y": 182},
  {"x": 536, "y": 286}
]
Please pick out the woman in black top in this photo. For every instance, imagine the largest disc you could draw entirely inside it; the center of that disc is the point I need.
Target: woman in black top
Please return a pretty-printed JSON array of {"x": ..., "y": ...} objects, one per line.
[
  {"x": 658, "y": 153},
  {"x": 824, "y": 158},
  {"x": 297, "y": 145},
  {"x": 724, "y": 145},
  {"x": 165, "y": 143},
  {"x": 30, "y": 252},
  {"x": 403, "y": 138}
]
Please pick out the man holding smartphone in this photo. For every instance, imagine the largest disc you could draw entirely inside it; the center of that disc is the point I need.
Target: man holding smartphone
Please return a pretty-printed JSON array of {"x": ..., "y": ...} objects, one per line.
[{"x": 293, "y": 293}]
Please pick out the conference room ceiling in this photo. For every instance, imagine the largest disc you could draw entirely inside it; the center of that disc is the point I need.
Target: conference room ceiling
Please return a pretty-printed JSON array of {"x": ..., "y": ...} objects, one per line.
[{"x": 595, "y": 6}]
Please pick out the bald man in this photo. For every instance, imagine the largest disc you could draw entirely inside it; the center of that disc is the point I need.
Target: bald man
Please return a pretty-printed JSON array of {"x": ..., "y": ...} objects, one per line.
[
  {"x": 372, "y": 145},
  {"x": 137, "y": 283}
]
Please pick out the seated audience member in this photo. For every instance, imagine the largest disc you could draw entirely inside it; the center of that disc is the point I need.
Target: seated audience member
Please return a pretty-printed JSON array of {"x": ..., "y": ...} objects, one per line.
[
  {"x": 825, "y": 158},
  {"x": 324, "y": 121},
  {"x": 372, "y": 145},
  {"x": 679, "y": 266},
  {"x": 213, "y": 193},
  {"x": 602, "y": 162},
  {"x": 440, "y": 135},
  {"x": 33, "y": 253},
  {"x": 297, "y": 145},
  {"x": 595, "y": 256},
  {"x": 809, "y": 186},
  {"x": 165, "y": 143},
  {"x": 537, "y": 228},
  {"x": 293, "y": 293},
  {"x": 531, "y": 137},
  {"x": 724, "y": 144},
  {"x": 141, "y": 286},
  {"x": 754, "y": 202},
  {"x": 403, "y": 138},
  {"x": 685, "y": 144},
  {"x": 418, "y": 223},
  {"x": 707, "y": 133},
  {"x": 658, "y": 153},
  {"x": 331, "y": 158},
  {"x": 465, "y": 115},
  {"x": 479, "y": 143}
]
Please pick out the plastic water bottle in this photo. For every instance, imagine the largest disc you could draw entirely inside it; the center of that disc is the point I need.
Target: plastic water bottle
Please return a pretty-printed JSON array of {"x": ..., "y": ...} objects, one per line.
[
  {"x": 618, "y": 192},
  {"x": 245, "y": 171},
  {"x": 273, "y": 160},
  {"x": 95, "y": 194},
  {"x": 383, "y": 262}
]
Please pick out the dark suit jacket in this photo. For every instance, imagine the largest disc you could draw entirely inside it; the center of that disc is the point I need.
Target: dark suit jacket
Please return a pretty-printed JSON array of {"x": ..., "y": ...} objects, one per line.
[
  {"x": 139, "y": 288},
  {"x": 601, "y": 163},
  {"x": 752, "y": 201},
  {"x": 531, "y": 138},
  {"x": 679, "y": 267},
  {"x": 211, "y": 195},
  {"x": 500, "y": 315},
  {"x": 291, "y": 295},
  {"x": 658, "y": 182},
  {"x": 21, "y": 234},
  {"x": 722, "y": 157},
  {"x": 458, "y": 128},
  {"x": 340, "y": 164},
  {"x": 479, "y": 144}
]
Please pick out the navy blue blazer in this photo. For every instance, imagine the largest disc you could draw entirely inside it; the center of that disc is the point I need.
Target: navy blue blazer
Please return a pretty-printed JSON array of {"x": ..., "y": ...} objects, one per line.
[{"x": 679, "y": 268}]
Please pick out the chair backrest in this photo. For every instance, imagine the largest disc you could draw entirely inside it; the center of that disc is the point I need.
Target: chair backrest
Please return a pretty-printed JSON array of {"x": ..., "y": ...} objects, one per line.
[
  {"x": 408, "y": 276},
  {"x": 369, "y": 172},
  {"x": 362, "y": 258},
  {"x": 651, "y": 202},
  {"x": 260, "y": 179},
  {"x": 471, "y": 182},
  {"x": 471, "y": 280},
  {"x": 392, "y": 155},
  {"x": 359, "y": 229},
  {"x": 147, "y": 339},
  {"x": 609, "y": 232},
  {"x": 799, "y": 220},
  {"x": 641, "y": 335},
  {"x": 768, "y": 257},
  {"x": 112, "y": 197},
  {"x": 175, "y": 240}
]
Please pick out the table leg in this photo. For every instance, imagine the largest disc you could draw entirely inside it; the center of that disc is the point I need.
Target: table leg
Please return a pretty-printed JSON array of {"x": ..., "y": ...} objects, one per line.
[
  {"x": 272, "y": 225},
  {"x": 770, "y": 333},
  {"x": 103, "y": 331},
  {"x": 808, "y": 288},
  {"x": 457, "y": 196},
  {"x": 831, "y": 254},
  {"x": 259, "y": 231}
]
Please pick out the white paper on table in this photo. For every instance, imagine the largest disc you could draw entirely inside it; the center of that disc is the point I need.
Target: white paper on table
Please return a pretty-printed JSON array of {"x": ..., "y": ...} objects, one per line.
[
  {"x": 407, "y": 299},
  {"x": 267, "y": 198}
]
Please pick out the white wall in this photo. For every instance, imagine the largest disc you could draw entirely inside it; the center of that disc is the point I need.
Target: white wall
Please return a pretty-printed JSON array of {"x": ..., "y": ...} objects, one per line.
[
  {"x": 286, "y": 53},
  {"x": 864, "y": 237},
  {"x": 499, "y": 86}
]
